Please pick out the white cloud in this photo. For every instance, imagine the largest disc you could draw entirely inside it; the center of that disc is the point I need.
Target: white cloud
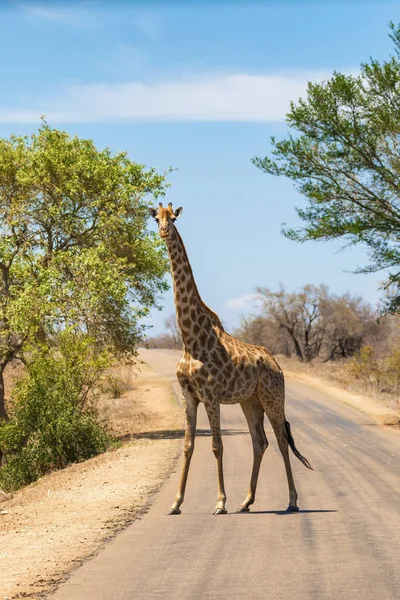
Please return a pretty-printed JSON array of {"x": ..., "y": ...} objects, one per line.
[
  {"x": 240, "y": 97},
  {"x": 76, "y": 16},
  {"x": 246, "y": 302}
]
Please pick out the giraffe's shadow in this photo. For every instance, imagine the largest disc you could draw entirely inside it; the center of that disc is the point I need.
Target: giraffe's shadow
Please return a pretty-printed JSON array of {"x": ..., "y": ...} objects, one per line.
[
  {"x": 286, "y": 512},
  {"x": 172, "y": 434}
]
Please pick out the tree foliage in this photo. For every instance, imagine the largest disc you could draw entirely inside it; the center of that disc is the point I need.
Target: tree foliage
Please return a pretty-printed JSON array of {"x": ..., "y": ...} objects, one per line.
[
  {"x": 344, "y": 156},
  {"x": 74, "y": 248}
]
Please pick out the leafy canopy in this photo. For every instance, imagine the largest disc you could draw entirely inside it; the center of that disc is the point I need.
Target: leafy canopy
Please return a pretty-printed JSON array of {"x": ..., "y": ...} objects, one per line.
[
  {"x": 74, "y": 248},
  {"x": 344, "y": 156}
]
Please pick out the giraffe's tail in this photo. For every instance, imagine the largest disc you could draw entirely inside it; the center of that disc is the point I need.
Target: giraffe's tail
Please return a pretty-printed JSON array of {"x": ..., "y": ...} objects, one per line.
[{"x": 291, "y": 443}]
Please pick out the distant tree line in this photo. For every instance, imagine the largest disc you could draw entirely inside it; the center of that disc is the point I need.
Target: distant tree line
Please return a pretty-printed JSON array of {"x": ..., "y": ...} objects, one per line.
[
  {"x": 311, "y": 323},
  {"x": 316, "y": 325},
  {"x": 170, "y": 340}
]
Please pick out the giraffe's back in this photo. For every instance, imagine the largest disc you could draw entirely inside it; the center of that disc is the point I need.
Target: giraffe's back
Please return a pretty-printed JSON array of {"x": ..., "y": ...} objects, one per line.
[{"x": 228, "y": 369}]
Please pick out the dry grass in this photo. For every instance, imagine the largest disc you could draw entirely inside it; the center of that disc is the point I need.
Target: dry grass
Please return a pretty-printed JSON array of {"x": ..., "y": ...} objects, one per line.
[
  {"x": 118, "y": 380},
  {"x": 3, "y": 496}
]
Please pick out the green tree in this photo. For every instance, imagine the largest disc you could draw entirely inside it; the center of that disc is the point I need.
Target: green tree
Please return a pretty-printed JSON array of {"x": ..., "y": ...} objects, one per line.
[
  {"x": 74, "y": 248},
  {"x": 344, "y": 156}
]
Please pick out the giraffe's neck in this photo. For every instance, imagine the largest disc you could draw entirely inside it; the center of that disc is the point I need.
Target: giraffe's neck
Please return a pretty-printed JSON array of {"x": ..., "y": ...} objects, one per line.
[{"x": 193, "y": 316}]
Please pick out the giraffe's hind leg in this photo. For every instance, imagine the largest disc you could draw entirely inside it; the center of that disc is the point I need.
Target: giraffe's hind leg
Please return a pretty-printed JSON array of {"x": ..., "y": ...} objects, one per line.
[
  {"x": 278, "y": 425},
  {"x": 272, "y": 397},
  {"x": 254, "y": 413}
]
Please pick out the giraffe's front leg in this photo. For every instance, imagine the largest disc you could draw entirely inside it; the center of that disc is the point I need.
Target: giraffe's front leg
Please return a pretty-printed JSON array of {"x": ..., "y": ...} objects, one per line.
[
  {"x": 213, "y": 413},
  {"x": 190, "y": 405}
]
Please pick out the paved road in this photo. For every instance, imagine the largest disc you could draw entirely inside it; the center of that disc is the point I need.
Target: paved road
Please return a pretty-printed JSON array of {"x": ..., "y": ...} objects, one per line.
[{"x": 343, "y": 544}]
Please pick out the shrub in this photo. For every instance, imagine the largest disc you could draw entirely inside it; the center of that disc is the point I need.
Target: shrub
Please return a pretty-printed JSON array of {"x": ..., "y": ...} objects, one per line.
[
  {"x": 364, "y": 366},
  {"x": 118, "y": 381},
  {"x": 53, "y": 421},
  {"x": 392, "y": 371},
  {"x": 382, "y": 375},
  {"x": 113, "y": 386}
]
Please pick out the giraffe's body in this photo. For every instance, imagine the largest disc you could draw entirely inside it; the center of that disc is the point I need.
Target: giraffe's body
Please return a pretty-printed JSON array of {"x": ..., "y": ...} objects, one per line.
[
  {"x": 230, "y": 369},
  {"x": 216, "y": 369}
]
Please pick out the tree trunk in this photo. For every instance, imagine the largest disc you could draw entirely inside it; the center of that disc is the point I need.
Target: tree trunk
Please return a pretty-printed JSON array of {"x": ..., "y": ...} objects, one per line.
[
  {"x": 297, "y": 348},
  {"x": 3, "y": 412}
]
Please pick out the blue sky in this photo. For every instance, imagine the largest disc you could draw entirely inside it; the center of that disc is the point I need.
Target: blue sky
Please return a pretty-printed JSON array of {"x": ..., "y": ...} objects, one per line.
[{"x": 200, "y": 87}]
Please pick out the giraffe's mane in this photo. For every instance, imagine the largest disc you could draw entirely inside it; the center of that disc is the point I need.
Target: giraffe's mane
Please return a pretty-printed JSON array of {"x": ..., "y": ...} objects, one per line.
[{"x": 214, "y": 317}]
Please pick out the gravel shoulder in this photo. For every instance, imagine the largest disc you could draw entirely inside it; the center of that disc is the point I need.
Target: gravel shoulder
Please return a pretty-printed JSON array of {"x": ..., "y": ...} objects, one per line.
[{"x": 53, "y": 525}]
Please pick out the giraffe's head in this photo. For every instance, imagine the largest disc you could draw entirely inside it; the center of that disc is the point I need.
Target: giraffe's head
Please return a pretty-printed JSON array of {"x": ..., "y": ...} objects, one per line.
[{"x": 165, "y": 218}]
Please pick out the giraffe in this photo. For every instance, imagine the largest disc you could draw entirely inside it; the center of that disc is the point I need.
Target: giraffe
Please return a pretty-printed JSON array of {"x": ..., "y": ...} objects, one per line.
[{"x": 216, "y": 369}]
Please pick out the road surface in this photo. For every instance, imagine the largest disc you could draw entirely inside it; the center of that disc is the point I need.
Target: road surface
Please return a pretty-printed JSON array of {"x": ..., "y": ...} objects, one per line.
[{"x": 343, "y": 544}]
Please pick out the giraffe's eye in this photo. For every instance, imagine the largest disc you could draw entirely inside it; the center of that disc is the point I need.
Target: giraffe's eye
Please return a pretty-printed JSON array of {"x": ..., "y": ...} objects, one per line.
[{"x": 156, "y": 219}]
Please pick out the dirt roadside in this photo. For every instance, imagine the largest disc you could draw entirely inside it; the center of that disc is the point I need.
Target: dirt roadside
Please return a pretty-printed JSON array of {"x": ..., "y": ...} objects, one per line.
[{"x": 51, "y": 526}]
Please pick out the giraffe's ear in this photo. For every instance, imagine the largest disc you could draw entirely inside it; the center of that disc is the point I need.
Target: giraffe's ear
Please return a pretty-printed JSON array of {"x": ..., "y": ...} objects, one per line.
[
  {"x": 153, "y": 212},
  {"x": 178, "y": 212}
]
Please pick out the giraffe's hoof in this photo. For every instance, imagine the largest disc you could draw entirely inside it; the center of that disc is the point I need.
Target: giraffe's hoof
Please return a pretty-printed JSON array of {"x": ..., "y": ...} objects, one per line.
[
  {"x": 220, "y": 511},
  {"x": 174, "y": 511},
  {"x": 291, "y": 508},
  {"x": 243, "y": 509}
]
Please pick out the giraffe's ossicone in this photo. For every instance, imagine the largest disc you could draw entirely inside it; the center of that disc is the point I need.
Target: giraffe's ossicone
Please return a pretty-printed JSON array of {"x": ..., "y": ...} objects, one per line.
[{"x": 216, "y": 369}]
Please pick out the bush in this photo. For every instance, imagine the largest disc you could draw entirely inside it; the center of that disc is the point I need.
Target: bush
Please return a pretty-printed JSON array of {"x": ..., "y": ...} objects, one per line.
[
  {"x": 365, "y": 367},
  {"x": 113, "y": 386},
  {"x": 392, "y": 371},
  {"x": 381, "y": 375},
  {"x": 117, "y": 382},
  {"x": 53, "y": 421}
]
